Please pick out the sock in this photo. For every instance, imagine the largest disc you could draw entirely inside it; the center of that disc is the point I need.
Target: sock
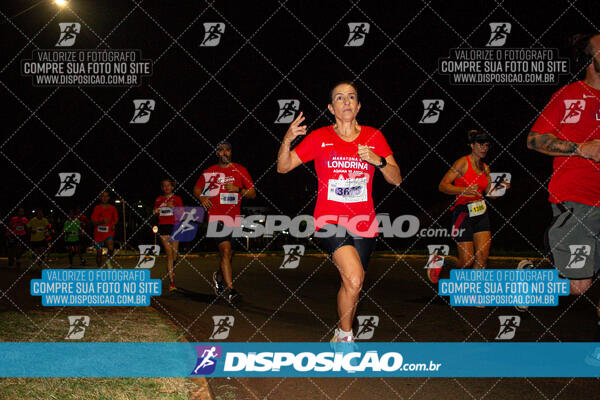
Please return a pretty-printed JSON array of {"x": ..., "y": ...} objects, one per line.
[{"x": 343, "y": 334}]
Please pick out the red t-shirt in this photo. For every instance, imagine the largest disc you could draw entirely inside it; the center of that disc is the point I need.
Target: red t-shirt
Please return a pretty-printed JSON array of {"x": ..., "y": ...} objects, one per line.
[
  {"x": 573, "y": 114},
  {"x": 165, "y": 212},
  {"x": 345, "y": 182},
  {"x": 104, "y": 230},
  {"x": 225, "y": 205},
  {"x": 17, "y": 226}
]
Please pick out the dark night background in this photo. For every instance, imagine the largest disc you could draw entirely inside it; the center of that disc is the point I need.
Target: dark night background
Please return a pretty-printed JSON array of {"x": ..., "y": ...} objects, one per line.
[{"x": 270, "y": 51}]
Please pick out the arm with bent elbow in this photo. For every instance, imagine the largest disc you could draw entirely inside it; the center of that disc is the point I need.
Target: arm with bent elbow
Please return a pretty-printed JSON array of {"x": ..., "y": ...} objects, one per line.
[
  {"x": 547, "y": 143},
  {"x": 456, "y": 171},
  {"x": 391, "y": 172}
]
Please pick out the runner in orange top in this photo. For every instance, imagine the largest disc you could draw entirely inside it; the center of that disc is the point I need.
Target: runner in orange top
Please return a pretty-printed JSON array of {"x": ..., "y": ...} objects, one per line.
[
  {"x": 469, "y": 179},
  {"x": 104, "y": 218}
]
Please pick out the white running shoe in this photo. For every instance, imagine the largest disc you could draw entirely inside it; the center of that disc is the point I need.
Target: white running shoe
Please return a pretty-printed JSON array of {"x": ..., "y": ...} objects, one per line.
[
  {"x": 336, "y": 333},
  {"x": 524, "y": 264},
  {"x": 344, "y": 344}
]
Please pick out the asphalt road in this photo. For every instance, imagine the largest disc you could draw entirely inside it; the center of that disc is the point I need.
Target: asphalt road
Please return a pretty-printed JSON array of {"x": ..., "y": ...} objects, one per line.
[{"x": 299, "y": 305}]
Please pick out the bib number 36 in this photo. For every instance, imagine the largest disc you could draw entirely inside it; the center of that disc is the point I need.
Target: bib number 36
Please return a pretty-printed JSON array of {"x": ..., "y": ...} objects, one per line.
[{"x": 347, "y": 190}]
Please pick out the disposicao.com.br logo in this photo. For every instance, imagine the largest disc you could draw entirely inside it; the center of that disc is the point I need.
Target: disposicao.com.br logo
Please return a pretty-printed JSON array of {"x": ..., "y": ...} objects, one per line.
[
  {"x": 315, "y": 363},
  {"x": 303, "y": 226}
]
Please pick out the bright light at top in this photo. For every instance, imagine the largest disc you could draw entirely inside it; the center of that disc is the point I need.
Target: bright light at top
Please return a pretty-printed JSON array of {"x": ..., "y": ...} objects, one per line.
[{"x": 60, "y": 3}]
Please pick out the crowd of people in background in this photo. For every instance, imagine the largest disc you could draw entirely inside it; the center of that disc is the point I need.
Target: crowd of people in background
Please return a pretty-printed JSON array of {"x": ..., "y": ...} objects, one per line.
[{"x": 37, "y": 236}]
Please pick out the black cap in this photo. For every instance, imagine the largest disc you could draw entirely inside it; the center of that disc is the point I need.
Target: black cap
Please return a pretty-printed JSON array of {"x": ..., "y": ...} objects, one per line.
[{"x": 476, "y": 136}]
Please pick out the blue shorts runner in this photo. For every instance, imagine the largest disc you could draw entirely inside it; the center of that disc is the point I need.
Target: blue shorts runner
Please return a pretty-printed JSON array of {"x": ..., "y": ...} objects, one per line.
[{"x": 98, "y": 245}]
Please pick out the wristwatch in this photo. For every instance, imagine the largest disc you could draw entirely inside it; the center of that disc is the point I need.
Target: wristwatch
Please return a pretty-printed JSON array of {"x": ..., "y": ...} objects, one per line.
[{"x": 383, "y": 163}]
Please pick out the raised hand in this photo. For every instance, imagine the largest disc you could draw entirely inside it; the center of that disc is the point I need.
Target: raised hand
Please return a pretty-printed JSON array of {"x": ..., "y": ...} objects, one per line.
[{"x": 295, "y": 129}]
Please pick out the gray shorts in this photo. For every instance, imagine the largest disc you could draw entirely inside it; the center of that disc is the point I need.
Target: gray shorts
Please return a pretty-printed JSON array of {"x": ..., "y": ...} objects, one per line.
[{"x": 574, "y": 239}]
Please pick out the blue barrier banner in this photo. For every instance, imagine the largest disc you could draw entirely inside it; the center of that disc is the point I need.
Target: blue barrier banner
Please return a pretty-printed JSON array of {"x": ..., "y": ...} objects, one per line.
[
  {"x": 223, "y": 359},
  {"x": 95, "y": 287},
  {"x": 504, "y": 287}
]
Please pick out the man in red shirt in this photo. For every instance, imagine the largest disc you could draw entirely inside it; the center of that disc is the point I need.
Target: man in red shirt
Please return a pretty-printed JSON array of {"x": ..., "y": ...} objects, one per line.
[
  {"x": 220, "y": 189},
  {"x": 569, "y": 130},
  {"x": 16, "y": 236},
  {"x": 104, "y": 219}
]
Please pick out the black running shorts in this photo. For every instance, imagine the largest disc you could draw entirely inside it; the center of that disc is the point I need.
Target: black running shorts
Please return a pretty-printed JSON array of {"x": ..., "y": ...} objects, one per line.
[
  {"x": 364, "y": 246},
  {"x": 463, "y": 226}
]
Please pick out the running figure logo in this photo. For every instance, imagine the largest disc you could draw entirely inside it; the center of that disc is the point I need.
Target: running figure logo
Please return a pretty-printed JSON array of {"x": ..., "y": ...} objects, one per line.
[
  {"x": 223, "y": 324},
  {"x": 508, "y": 326},
  {"x": 579, "y": 254},
  {"x": 207, "y": 359},
  {"x": 68, "y": 183},
  {"x": 142, "y": 110},
  {"x": 498, "y": 189},
  {"x": 432, "y": 111},
  {"x": 212, "y": 183},
  {"x": 292, "y": 254},
  {"x": 366, "y": 326},
  {"x": 499, "y": 34},
  {"x": 186, "y": 223},
  {"x": 287, "y": 110},
  {"x": 77, "y": 325},
  {"x": 212, "y": 34},
  {"x": 358, "y": 33},
  {"x": 436, "y": 255},
  {"x": 68, "y": 33},
  {"x": 148, "y": 253},
  {"x": 573, "y": 109}
]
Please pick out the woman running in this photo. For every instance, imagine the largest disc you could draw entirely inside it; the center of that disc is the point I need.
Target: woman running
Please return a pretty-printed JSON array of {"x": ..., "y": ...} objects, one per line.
[
  {"x": 163, "y": 207},
  {"x": 469, "y": 179},
  {"x": 346, "y": 156}
]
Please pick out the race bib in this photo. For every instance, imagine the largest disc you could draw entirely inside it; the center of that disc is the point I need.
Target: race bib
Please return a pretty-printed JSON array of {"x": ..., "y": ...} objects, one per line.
[
  {"x": 229, "y": 198},
  {"x": 476, "y": 208},
  {"x": 19, "y": 228},
  {"x": 102, "y": 228},
  {"x": 347, "y": 190},
  {"x": 40, "y": 229},
  {"x": 165, "y": 211}
]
